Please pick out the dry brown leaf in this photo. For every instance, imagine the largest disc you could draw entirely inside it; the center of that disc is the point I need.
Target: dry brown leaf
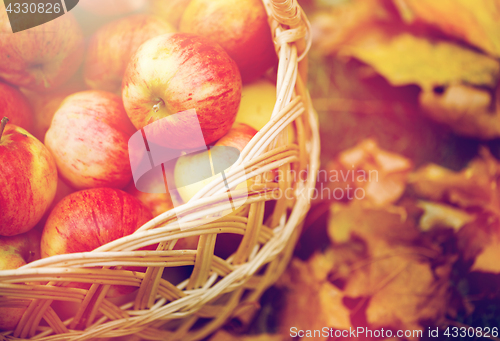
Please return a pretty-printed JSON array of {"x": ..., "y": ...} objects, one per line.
[
  {"x": 394, "y": 274},
  {"x": 332, "y": 29},
  {"x": 312, "y": 302},
  {"x": 379, "y": 228},
  {"x": 440, "y": 215},
  {"x": 475, "y": 21},
  {"x": 407, "y": 59},
  {"x": 467, "y": 110},
  {"x": 380, "y": 175},
  {"x": 474, "y": 186},
  {"x": 480, "y": 243},
  {"x": 407, "y": 291},
  {"x": 488, "y": 259}
]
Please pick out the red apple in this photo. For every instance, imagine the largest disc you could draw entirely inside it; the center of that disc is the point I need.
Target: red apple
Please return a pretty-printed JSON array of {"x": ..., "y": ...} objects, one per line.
[
  {"x": 156, "y": 201},
  {"x": 187, "y": 166},
  {"x": 28, "y": 180},
  {"x": 87, "y": 219},
  {"x": 89, "y": 140},
  {"x": 15, "y": 252},
  {"x": 240, "y": 27},
  {"x": 62, "y": 191},
  {"x": 111, "y": 47},
  {"x": 159, "y": 203},
  {"x": 112, "y": 7},
  {"x": 177, "y": 72},
  {"x": 46, "y": 104},
  {"x": 43, "y": 57},
  {"x": 15, "y": 106},
  {"x": 238, "y": 136},
  {"x": 19, "y": 250},
  {"x": 171, "y": 10}
]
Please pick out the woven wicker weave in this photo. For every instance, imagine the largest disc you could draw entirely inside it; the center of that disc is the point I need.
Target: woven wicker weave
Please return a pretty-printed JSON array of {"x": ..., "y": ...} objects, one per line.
[{"x": 217, "y": 288}]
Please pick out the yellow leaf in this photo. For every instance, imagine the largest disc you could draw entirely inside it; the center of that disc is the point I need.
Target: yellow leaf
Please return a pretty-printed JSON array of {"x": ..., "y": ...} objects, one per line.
[
  {"x": 377, "y": 227},
  {"x": 475, "y": 21},
  {"x": 331, "y": 29},
  {"x": 406, "y": 59},
  {"x": 393, "y": 273},
  {"x": 467, "y": 110},
  {"x": 474, "y": 186},
  {"x": 408, "y": 294},
  {"x": 488, "y": 259},
  {"x": 442, "y": 215},
  {"x": 311, "y": 301},
  {"x": 376, "y": 177}
]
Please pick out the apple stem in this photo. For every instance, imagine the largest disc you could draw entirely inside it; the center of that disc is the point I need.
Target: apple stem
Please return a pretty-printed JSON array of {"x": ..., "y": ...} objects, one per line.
[
  {"x": 2, "y": 125},
  {"x": 156, "y": 107}
]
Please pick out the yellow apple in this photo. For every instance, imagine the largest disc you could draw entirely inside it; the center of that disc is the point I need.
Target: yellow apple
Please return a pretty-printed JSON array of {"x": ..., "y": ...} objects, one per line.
[
  {"x": 17, "y": 251},
  {"x": 188, "y": 166},
  {"x": 170, "y": 11},
  {"x": 257, "y": 103}
]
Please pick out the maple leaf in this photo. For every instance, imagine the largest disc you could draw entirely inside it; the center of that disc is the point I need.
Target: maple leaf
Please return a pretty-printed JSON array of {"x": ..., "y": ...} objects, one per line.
[
  {"x": 334, "y": 27},
  {"x": 439, "y": 215},
  {"x": 311, "y": 301},
  {"x": 395, "y": 272},
  {"x": 479, "y": 242},
  {"x": 488, "y": 258},
  {"x": 380, "y": 175},
  {"x": 474, "y": 186},
  {"x": 474, "y": 21},
  {"x": 404, "y": 59},
  {"x": 466, "y": 109}
]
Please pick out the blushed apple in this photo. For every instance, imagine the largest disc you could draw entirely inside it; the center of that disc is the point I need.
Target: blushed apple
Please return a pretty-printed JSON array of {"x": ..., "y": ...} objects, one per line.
[
  {"x": 176, "y": 72},
  {"x": 159, "y": 203},
  {"x": 15, "y": 252},
  {"x": 87, "y": 219},
  {"x": 28, "y": 180},
  {"x": 240, "y": 27},
  {"x": 170, "y": 11},
  {"x": 88, "y": 137},
  {"x": 62, "y": 191},
  {"x": 111, "y": 47},
  {"x": 43, "y": 57},
  {"x": 187, "y": 166},
  {"x": 15, "y": 106},
  {"x": 156, "y": 201},
  {"x": 112, "y": 7},
  {"x": 45, "y": 104}
]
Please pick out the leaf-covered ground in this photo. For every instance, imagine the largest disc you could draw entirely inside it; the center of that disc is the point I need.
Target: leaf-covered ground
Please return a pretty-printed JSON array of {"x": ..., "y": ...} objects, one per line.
[{"x": 408, "y": 90}]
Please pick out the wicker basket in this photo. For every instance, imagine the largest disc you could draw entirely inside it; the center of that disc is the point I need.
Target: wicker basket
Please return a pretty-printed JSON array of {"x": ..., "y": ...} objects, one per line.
[{"x": 216, "y": 289}]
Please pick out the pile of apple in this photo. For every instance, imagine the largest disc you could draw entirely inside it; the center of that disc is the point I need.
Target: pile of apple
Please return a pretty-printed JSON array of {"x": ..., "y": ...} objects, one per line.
[{"x": 72, "y": 96}]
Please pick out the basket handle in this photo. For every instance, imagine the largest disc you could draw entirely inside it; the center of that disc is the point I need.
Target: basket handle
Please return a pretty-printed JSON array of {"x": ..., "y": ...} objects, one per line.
[
  {"x": 286, "y": 12},
  {"x": 292, "y": 24}
]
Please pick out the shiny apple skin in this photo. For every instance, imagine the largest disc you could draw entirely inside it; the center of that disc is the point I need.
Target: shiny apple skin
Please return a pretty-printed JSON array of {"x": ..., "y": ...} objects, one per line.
[
  {"x": 15, "y": 106},
  {"x": 43, "y": 57},
  {"x": 182, "y": 71},
  {"x": 112, "y": 45},
  {"x": 89, "y": 137},
  {"x": 28, "y": 180},
  {"x": 240, "y": 27},
  {"x": 87, "y": 219}
]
